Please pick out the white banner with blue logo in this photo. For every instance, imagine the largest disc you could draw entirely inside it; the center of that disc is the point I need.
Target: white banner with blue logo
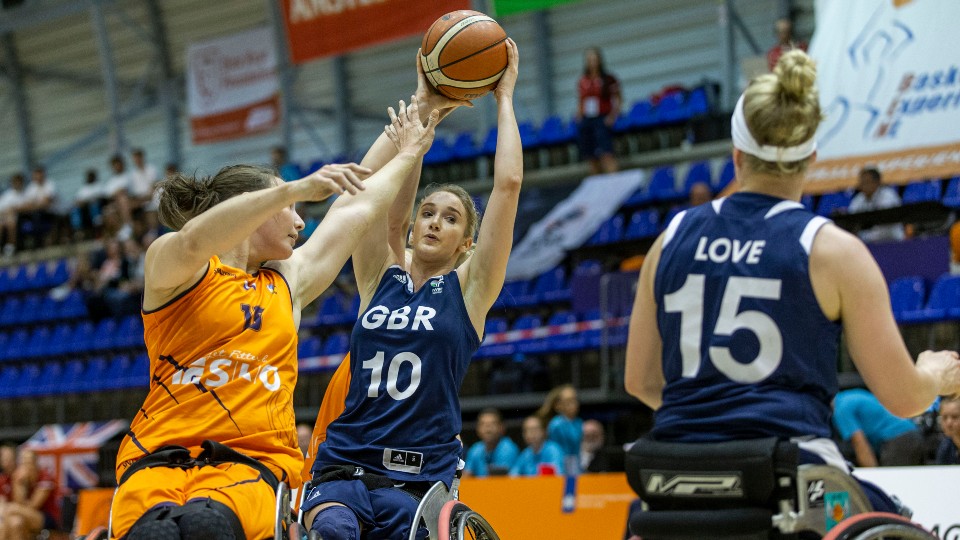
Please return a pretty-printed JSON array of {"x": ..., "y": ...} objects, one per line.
[
  {"x": 889, "y": 78},
  {"x": 571, "y": 223}
]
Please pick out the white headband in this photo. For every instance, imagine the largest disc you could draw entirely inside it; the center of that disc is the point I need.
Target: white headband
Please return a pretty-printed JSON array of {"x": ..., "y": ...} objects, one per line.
[{"x": 743, "y": 140}]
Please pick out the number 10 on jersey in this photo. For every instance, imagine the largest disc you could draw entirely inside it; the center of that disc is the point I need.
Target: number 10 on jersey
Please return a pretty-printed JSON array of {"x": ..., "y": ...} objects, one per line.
[{"x": 375, "y": 365}]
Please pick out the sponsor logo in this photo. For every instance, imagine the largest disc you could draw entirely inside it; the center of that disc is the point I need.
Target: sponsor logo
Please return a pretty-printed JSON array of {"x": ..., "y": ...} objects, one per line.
[
  {"x": 247, "y": 285},
  {"x": 437, "y": 285},
  {"x": 815, "y": 493},
  {"x": 221, "y": 272},
  {"x": 400, "y": 278},
  {"x": 402, "y": 460},
  {"x": 695, "y": 485},
  {"x": 222, "y": 367}
]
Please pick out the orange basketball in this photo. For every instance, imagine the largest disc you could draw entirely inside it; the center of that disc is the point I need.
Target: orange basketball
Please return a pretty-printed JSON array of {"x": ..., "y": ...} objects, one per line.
[{"x": 464, "y": 54}]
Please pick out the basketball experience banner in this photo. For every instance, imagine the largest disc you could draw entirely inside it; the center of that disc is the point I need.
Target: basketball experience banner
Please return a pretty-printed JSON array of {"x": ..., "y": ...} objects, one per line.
[
  {"x": 889, "y": 80},
  {"x": 318, "y": 28},
  {"x": 509, "y": 7},
  {"x": 232, "y": 86}
]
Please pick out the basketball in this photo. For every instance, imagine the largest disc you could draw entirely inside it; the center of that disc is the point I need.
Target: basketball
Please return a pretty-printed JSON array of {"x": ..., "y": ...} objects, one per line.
[{"x": 463, "y": 54}]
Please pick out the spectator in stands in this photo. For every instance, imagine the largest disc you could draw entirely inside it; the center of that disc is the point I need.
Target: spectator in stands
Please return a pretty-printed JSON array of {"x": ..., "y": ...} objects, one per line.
[
  {"x": 494, "y": 452},
  {"x": 36, "y": 216},
  {"x": 700, "y": 193},
  {"x": 874, "y": 196},
  {"x": 564, "y": 428},
  {"x": 597, "y": 110},
  {"x": 595, "y": 455},
  {"x": 117, "y": 189},
  {"x": 33, "y": 505},
  {"x": 304, "y": 432},
  {"x": 949, "y": 451},
  {"x": 540, "y": 456},
  {"x": 785, "y": 42},
  {"x": 878, "y": 437},
  {"x": 281, "y": 162},
  {"x": 85, "y": 216},
  {"x": 142, "y": 179},
  {"x": 8, "y": 462},
  {"x": 10, "y": 202}
]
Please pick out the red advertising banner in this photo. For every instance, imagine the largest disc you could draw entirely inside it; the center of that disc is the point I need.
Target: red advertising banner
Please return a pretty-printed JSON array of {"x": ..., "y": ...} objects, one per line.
[{"x": 318, "y": 28}]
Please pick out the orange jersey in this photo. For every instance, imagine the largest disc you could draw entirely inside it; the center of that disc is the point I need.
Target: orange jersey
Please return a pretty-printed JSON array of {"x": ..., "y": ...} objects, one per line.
[
  {"x": 223, "y": 362},
  {"x": 334, "y": 401}
]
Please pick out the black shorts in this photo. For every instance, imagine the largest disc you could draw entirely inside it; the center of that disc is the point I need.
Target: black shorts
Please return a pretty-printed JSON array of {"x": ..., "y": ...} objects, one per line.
[{"x": 594, "y": 139}]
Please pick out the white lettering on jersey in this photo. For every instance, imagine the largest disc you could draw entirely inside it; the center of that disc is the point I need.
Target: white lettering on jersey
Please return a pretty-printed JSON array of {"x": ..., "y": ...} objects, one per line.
[
  {"x": 722, "y": 250},
  {"x": 398, "y": 319},
  {"x": 220, "y": 371}
]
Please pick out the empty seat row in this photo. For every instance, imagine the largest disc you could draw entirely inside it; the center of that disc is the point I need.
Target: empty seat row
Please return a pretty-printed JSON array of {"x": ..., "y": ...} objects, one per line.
[
  {"x": 913, "y": 193},
  {"x": 68, "y": 339},
  {"x": 564, "y": 332},
  {"x": 28, "y": 277},
  {"x": 910, "y": 303},
  {"x": 41, "y": 308},
  {"x": 100, "y": 373}
]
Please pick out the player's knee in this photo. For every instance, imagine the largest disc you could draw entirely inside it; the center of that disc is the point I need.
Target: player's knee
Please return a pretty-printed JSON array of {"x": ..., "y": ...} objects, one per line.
[
  {"x": 337, "y": 523},
  {"x": 207, "y": 520},
  {"x": 162, "y": 529}
]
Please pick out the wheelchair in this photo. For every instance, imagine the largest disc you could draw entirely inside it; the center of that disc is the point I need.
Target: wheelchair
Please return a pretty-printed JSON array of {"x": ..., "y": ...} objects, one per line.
[
  {"x": 750, "y": 490},
  {"x": 440, "y": 511}
]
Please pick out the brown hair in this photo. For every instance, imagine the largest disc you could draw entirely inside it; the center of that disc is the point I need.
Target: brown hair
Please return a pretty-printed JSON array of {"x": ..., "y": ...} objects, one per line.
[
  {"x": 473, "y": 216},
  {"x": 184, "y": 197},
  {"x": 549, "y": 408},
  {"x": 783, "y": 109}
]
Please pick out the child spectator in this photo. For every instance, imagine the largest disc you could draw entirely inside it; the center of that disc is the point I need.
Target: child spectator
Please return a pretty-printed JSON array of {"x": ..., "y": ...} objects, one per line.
[
  {"x": 32, "y": 506},
  {"x": 494, "y": 452},
  {"x": 877, "y": 436},
  {"x": 949, "y": 451},
  {"x": 564, "y": 428},
  {"x": 540, "y": 456}
]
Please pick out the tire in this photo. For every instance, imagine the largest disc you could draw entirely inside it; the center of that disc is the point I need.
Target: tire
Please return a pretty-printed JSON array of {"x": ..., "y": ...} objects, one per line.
[
  {"x": 295, "y": 532},
  {"x": 877, "y": 526},
  {"x": 473, "y": 526}
]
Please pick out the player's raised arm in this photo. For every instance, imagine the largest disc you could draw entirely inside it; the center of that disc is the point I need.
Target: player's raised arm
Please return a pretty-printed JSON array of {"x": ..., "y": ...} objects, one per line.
[{"x": 484, "y": 271}]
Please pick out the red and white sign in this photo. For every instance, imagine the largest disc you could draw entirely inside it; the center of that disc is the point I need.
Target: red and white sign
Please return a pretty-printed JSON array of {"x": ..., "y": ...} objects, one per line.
[
  {"x": 318, "y": 28},
  {"x": 232, "y": 86}
]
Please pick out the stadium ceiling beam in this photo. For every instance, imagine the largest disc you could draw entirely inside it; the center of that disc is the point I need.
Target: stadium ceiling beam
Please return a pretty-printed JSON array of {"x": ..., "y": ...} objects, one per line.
[
  {"x": 342, "y": 108},
  {"x": 15, "y": 77},
  {"x": 287, "y": 74},
  {"x": 36, "y": 12},
  {"x": 167, "y": 83},
  {"x": 544, "y": 60},
  {"x": 107, "y": 69}
]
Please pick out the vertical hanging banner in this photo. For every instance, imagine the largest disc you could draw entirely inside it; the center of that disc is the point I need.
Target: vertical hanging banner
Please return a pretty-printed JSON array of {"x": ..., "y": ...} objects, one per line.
[
  {"x": 889, "y": 81},
  {"x": 508, "y": 7},
  {"x": 232, "y": 86},
  {"x": 318, "y": 28}
]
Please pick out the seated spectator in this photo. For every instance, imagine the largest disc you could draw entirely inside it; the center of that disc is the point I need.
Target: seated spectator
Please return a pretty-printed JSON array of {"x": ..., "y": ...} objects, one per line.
[
  {"x": 304, "y": 432},
  {"x": 117, "y": 189},
  {"x": 874, "y": 196},
  {"x": 785, "y": 42},
  {"x": 8, "y": 463},
  {"x": 281, "y": 162},
  {"x": 37, "y": 217},
  {"x": 540, "y": 456},
  {"x": 700, "y": 193},
  {"x": 494, "y": 452},
  {"x": 877, "y": 436},
  {"x": 595, "y": 456},
  {"x": 33, "y": 505},
  {"x": 142, "y": 179},
  {"x": 564, "y": 428},
  {"x": 85, "y": 217},
  {"x": 118, "y": 281},
  {"x": 10, "y": 202},
  {"x": 949, "y": 451}
]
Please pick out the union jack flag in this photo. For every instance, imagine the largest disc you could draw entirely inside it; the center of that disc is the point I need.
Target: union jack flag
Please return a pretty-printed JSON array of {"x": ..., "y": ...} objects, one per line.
[{"x": 70, "y": 451}]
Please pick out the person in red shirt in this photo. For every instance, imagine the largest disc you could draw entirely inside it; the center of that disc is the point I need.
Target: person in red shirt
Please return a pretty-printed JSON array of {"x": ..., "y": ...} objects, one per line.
[
  {"x": 32, "y": 505},
  {"x": 785, "y": 42},
  {"x": 8, "y": 462},
  {"x": 598, "y": 109}
]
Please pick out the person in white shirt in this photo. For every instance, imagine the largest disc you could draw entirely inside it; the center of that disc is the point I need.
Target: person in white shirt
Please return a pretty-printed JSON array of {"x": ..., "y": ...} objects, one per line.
[
  {"x": 143, "y": 176},
  {"x": 36, "y": 217},
  {"x": 874, "y": 196},
  {"x": 85, "y": 216},
  {"x": 10, "y": 201},
  {"x": 117, "y": 189}
]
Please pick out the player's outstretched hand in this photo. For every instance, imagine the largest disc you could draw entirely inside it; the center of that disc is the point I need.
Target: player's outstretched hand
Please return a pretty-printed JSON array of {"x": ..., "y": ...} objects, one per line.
[
  {"x": 406, "y": 131},
  {"x": 943, "y": 366},
  {"x": 508, "y": 81},
  {"x": 429, "y": 98},
  {"x": 334, "y": 179}
]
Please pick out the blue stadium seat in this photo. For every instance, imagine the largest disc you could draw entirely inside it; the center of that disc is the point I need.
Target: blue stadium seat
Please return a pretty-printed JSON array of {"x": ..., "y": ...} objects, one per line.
[
  {"x": 20, "y": 278},
  {"x": 568, "y": 342},
  {"x": 337, "y": 344},
  {"x": 82, "y": 339},
  {"x": 60, "y": 274},
  {"x": 129, "y": 332},
  {"x": 313, "y": 166},
  {"x": 29, "y": 381},
  {"x": 833, "y": 202},
  {"x": 663, "y": 185},
  {"x": 489, "y": 146},
  {"x": 72, "y": 377},
  {"x": 551, "y": 286},
  {"x": 60, "y": 339},
  {"x": 588, "y": 267},
  {"x": 115, "y": 371},
  {"x": 494, "y": 325},
  {"x": 12, "y": 312},
  {"x": 440, "y": 152},
  {"x": 517, "y": 294},
  {"x": 610, "y": 231},
  {"x": 727, "y": 173},
  {"x": 918, "y": 192},
  {"x": 699, "y": 172},
  {"x": 4, "y": 338},
  {"x": 698, "y": 102},
  {"x": 93, "y": 376},
  {"x": 943, "y": 304},
  {"x": 594, "y": 337},
  {"x": 643, "y": 224},
  {"x": 105, "y": 335},
  {"x": 49, "y": 309},
  {"x": 464, "y": 147},
  {"x": 5, "y": 280},
  {"x": 529, "y": 345},
  {"x": 17, "y": 346},
  {"x": 643, "y": 114},
  {"x": 672, "y": 108},
  {"x": 529, "y": 137},
  {"x": 9, "y": 375},
  {"x": 30, "y": 309},
  {"x": 73, "y": 307},
  {"x": 49, "y": 381},
  {"x": 556, "y": 131},
  {"x": 640, "y": 197},
  {"x": 907, "y": 294},
  {"x": 332, "y": 311},
  {"x": 138, "y": 373},
  {"x": 309, "y": 347},
  {"x": 37, "y": 345},
  {"x": 951, "y": 196}
]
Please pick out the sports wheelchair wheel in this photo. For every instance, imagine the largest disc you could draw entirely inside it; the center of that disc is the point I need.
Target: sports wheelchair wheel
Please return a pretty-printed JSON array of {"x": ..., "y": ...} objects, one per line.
[
  {"x": 459, "y": 522},
  {"x": 878, "y": 526},
  {"x": 98, "y": 533}
]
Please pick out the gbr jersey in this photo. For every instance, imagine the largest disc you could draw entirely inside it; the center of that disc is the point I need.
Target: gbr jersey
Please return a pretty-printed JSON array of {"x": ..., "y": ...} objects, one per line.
[
  {"x": 223, "y": 366},
  {"x": 409, "y": 352},
  {"x": 747, "y": 351}
]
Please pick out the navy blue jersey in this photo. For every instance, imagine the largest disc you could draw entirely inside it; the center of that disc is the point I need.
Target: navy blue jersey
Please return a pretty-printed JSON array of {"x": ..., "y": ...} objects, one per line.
[
  {"x": 747, "y": 351},
  {"x": 408, "y": 355}
]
